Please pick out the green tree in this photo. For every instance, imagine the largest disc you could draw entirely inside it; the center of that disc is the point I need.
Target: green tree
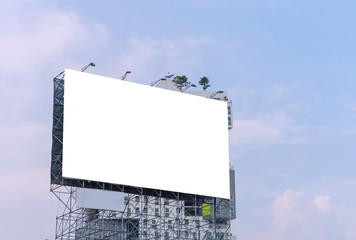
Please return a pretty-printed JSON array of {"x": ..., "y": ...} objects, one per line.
[
  {"x": 181, "y": 82},
  {"x": 204, "y": 81}
]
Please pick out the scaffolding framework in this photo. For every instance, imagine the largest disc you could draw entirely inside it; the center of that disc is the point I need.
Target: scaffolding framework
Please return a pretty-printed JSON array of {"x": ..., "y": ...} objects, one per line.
[
  {"x": 144, "y": 217},
  {"x": 148, "y": 213}
]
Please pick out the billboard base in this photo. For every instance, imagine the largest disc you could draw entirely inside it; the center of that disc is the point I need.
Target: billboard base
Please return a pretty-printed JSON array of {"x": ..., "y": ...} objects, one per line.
[{"x": 144, "y": 217}]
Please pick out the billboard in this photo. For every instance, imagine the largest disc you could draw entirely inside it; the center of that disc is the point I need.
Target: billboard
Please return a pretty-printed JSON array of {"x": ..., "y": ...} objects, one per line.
[{"x": 131, "y": 134}]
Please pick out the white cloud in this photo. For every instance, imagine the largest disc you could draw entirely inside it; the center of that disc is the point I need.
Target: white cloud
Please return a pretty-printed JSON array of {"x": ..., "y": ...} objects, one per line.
[
  {"x": 194, "y": 42},
  {"x": 26, "y": 196},
  {"x": 36, "y": 41},
  {"x": 37, "y": 35},
  {"x": 295, "y": 215},
  {"x": 347, "y": 101},
  {"x": 277, "y": 92},
  {"x": 27, "y": 143},
  {"x": 275, "y": 3},
  {"x": 322, "y": 203},
  {"x": 24, "y": 184},
  {"x": 145, "y": 56},
  {"x": 265, "y": 129},
  {"x": 345, "y": 215},
  {"x": 288, "y": 209},
  {"x": 298, "y": 216}
]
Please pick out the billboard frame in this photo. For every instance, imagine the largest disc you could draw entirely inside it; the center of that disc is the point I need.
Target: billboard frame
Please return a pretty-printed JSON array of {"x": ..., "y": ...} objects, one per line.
[{"x": 56, "y": 178}]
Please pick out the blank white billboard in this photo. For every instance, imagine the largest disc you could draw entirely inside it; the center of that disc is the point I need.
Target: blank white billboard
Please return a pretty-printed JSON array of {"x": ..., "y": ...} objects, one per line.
[{"x": 126, "y": 133}]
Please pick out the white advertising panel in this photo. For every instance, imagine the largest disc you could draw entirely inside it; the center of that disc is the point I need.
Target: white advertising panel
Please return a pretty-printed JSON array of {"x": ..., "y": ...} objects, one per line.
[
  {"x": 126, "y": 133},
  {"x": 100, "y": 199}
]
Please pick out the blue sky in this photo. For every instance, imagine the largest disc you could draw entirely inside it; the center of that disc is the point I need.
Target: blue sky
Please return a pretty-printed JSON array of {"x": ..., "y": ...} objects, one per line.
[{"x": 288, "y": 67}]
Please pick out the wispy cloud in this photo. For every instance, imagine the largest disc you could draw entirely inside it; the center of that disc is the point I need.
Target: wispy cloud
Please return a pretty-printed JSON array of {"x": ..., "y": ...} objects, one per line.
[
  {"x": 25, "y": 145},
  {"x": 147, "y": 55},
  {"x": 35, "y": 43},
  {"x": 26, "y": 47},
  {"x": 345, "y": 215},
  {"x": 277, "y": 91},
  {"x": 26, "y": 195},
  {"x": 265, "y": 130}
]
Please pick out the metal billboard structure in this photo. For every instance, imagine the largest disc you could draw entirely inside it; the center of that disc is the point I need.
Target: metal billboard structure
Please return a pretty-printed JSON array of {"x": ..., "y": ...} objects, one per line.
[{"x": 148, "y": 213}]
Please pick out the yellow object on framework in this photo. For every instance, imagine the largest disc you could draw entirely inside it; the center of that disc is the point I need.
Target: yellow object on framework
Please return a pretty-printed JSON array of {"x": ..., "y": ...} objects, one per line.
[{"x": 206, "y": 209}]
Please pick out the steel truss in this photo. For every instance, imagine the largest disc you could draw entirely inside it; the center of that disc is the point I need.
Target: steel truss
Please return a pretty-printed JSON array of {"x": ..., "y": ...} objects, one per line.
[{"x": 144, "y": 217}]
